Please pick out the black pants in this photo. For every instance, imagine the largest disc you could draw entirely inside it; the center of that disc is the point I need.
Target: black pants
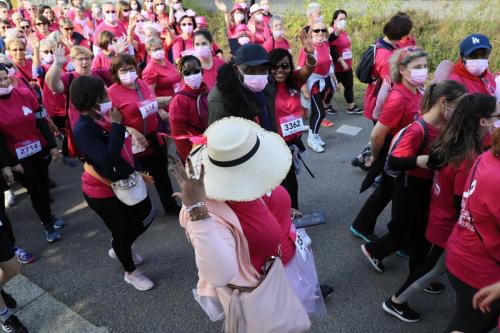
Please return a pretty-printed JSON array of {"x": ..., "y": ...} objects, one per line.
[
  {"x": 60, "y": 122},
  {"x": 347, "y": 80},
  {"x": 156, "y": 165},
  {"x": 467, "y": 319},
  {"x": 36, "y": 180},
  {"x": 366, "y": 219},
  {"x": 317, "y": 105},
  {"x": 291, "y": 184},
  {"x": 410, "y": 211},
  {"x": 126, "y": 224}
]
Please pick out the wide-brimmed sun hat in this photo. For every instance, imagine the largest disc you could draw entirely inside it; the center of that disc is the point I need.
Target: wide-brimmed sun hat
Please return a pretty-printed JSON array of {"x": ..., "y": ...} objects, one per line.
[{"x": 242, "y": 160}]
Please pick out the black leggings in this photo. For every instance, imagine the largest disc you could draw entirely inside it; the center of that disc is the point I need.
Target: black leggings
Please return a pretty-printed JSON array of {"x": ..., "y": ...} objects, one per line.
[
  {"x": 317, "y": 105},
  {"x": 467, "y": 319},
  {"x": 36, "y": 180},
  {"x": 347, "y": 80},
  {"x": 126, "y": 224},
  {"x": 60, "y": 122},
  {"x": 156, "y": 165},
  {"x": 410, "y": 211},
  {"x": 291, "y": 184}
]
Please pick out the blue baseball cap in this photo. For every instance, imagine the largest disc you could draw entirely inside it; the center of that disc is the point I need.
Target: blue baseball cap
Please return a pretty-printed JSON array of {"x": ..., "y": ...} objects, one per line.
[
  {"x": 474, "y": 42},
  {"x": 251, "y": 55}
]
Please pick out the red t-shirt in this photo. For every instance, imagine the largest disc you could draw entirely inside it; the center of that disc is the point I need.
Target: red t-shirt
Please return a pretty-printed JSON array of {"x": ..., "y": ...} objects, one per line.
[
  {"x": 401, "y": 108},
  {"x": 380, "y": 69},
  {"x": 484, "y": 84},
  {"x": 126, "y": 101},
  {"x": 259, "y": 30},
  {"x": 54, "y": 103},
  {"x": 448, "y": 183},
  {"x": 119, "y": 30},
  {"x": 166, "y": 77},
  {"x": 287, "y": 107},
  {"x": 210, "y": 75},
  {"x": 102, "y": 61},
  {"x": 17, "y": 120},
  {"x": 343, "y": 45},
  {"x": 410, "y": 143},
  {"x": 25, "y": 72},
  {"x": 266, "y": 223},
  {"x": 472, "y": 260},
  {"x": 180, "y": 45},
  {"x": 271, "y": 44},
  {"x": 323, "y": 57}
]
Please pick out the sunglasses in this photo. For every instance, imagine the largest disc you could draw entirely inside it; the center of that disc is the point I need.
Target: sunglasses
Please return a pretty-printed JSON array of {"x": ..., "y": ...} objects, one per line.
[
  {"x": 283, "y": 66},
  {"x": 319, "y": 30},
  {"x": 48, "y": 52},
  {"x": 126, "y": 10},
  {"x": 138, "y": 21},
  {"x": 192, "y": 72},
  {"x": 69, "y": 29},
  {"x": 6, "y": 66},
  {"x": 38, "y": 24}
]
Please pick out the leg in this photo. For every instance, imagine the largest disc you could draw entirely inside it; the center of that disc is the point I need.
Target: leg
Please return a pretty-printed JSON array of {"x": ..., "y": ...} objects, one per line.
[
  {"x": 348, "y": 83},
  {"x": 291, "y": 184}
]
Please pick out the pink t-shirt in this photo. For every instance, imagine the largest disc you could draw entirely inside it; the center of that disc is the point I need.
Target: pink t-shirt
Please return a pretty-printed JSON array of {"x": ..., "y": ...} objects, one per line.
[
  {"x": 102, "y": 61},
  {"x": 119, "y": 30},
  {"x": 324, "y": 59},
  {"x": 210, "y": 75},
  {"x": 271, "y": 44},
  {"x": 343, "y": 45},
  {"x": 473, "y": 249},
  {"x": 165, "y": 77},
  {"x": 287, "y": 107},
  {"x": 401, "y": 108},
  {"x": 180, "y": 45}
]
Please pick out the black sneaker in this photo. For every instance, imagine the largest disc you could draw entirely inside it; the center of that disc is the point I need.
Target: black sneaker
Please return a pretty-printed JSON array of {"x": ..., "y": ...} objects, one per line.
[
  {"x": 355, "y": 110},
  {"x": 8, "y": 299},
  {"x": 330, "y": 110},
  {"x": 376, "y": 263},
  {"x": 13, "y": 325},
  {"x": 401, "y": 311},
  {"x": 435, "y": 288},
  {"x": 326, "y": 291}
]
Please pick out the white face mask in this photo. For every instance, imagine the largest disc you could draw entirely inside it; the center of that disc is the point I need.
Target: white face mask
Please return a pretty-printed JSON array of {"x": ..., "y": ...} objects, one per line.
[
  {"x": 238, "y": 17},
  {"x": 265, "y": 8},
  {"x": 342, "y": 24},
  {"x": 110, "y": 17},
  {"x": 134, "y": 6},
  {"x": 318, "y": 40},
  {"x": 244, "y": 40},
  {"x": 476, "y": 66},
  {"x": 6, "y": 91},
  {"x": 177, "y": 6},
  {"x": 278, "y": 33},
  {"x": 105, "y": 108},
  {"x": 158, "y": 54},
  {"x": 187, "y": 29},
  {"x": 258, "y": 17},
  {"x": 319, "y": 19},
  {"x": 194, "y": 81},
  {"x": 12, "y": 72},
  {"x": 160, "y": 8},
  {"x": 48, "y": 58},
  {"x": 149, "y": 5},
  {"x": 128, "y": 78},
  {"x": 203, "y": 51}
]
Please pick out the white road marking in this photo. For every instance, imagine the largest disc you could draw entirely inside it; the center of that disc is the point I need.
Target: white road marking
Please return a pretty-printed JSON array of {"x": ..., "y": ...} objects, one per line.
[{"x": 349, "y": 130}]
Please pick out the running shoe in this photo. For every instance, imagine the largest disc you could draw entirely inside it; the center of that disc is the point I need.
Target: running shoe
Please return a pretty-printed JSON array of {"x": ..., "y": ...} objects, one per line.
[
  {"x": 401, "y": 311},
  {"x": 330, "y": 110},
  {"x": 313, "y": 144},
  {"x": 138, "y": 280},
  {"x": 326, "y": 291},
  {"x": 13, "y": 325},
  {"x": 355, "y": 110},
  {"x": 435, "y": 288},
  {"x": 23, "y": 257},
  {"x": 319, "y": 140},
  {"x": 52, "y": 236},
  {"x": 137, "y": 258},
  {"x": 403, "y": 254},
  {"x": 10, "y": 198},
  {"x": 327, "y": 123},
  {"x": 8, "y": 299},
  {"x": 58, "y": 223},
  {"x": 359, "y": 234},
  {"x": 71, "y": 162},
  {"x": 376, "y": 263}
]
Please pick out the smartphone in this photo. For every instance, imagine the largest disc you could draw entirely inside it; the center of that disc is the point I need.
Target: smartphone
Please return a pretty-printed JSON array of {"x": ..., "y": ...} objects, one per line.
[{"x": 309, "y": 220}]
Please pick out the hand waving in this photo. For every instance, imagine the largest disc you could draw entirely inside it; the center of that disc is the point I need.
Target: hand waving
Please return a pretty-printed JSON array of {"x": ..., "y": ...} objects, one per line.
[
  {"x": 306, "y": 41},
  {"x": 192, "y": 189},
  {"x": 221, "y": 6},
  {"x": 60, "y": 55}
]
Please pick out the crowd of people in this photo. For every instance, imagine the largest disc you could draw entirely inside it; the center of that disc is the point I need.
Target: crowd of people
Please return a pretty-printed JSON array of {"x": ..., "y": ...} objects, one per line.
[{"x": 116, "y": 87}]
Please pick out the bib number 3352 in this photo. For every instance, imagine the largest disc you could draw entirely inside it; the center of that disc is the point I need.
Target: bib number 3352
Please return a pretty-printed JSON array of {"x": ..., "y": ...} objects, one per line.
[{"x": 291, "y": 125}]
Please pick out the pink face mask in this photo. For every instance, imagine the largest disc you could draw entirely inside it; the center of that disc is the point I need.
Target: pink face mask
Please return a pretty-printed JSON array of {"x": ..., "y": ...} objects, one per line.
[
  {"x": 194, "y": 81},
  {"x": 255, "y": 83},
  {"x": 418, "y": 76},
  {"x": 158, "y": 54},
  {"x": 187, "y": 29},
  {"x": 204, "y": 51}
]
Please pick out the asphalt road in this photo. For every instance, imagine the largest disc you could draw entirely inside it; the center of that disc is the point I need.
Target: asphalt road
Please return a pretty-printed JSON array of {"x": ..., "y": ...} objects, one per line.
[{"x": 78, "y": 272}]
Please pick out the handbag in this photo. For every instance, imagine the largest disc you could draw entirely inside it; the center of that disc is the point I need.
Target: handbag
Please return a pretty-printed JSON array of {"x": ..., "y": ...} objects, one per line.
[
  {"x": 271, "y": 307},
  {"x": 130, "y": 191}
]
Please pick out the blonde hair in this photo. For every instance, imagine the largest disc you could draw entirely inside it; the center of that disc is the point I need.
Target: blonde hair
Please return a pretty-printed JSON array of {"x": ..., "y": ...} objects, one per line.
[
  {"x": 402, "y": 57},
  {"x": 47, "y": 42},
  {"x": 14, "y": 41},
  {"x": 80, "y": 50},
  {"x": 65, "y": 21}
]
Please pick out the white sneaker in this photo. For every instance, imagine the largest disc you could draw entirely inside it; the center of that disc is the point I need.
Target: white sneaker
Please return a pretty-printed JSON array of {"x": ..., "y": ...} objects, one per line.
[
  {"x": 138, "y": 280},
  {"x": 318, "y": 138},
  {"x": 313, "y": 144},
  {"x": 138, "y": 259},
  {"x": 305, "y": 128},
  {"x": 10, "y": 198}
]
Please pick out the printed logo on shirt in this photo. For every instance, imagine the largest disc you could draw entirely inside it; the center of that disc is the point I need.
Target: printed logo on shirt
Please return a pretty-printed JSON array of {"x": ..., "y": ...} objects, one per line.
[
  {"x": 27, "y": 110},
  {"x": 465, "y": 220},
  {"x": 468, "y": 193}
]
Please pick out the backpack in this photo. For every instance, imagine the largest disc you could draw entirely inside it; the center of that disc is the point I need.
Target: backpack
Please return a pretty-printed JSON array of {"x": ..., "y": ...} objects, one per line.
[
  {"x": 395, "y": 141},
  {"x": 364, "y": 67}
]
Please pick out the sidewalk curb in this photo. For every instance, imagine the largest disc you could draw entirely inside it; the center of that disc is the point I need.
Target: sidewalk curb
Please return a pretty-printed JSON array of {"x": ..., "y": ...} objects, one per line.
[{"x": 41, "y": 312}]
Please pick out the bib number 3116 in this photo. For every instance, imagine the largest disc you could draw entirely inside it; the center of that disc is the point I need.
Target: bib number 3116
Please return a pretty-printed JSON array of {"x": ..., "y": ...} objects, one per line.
[{"x": 291, "y": 125}]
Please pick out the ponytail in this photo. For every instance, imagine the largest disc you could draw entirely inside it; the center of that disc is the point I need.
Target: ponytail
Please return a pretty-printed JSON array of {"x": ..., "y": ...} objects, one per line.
[{"x": 451, "y": 90}]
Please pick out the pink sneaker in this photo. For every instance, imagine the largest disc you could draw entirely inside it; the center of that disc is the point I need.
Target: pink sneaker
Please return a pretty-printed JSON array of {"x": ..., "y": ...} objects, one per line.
[
  {"x": 138, "y": 280},
  {"x": 138, "y": 259}
]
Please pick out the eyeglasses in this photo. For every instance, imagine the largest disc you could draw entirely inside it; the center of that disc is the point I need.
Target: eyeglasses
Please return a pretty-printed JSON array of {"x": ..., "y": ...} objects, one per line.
[
  {"x": 40, "y": 24},
  {"x": 319, "y": 30},
  {"x": 110, "y": 12},
  {"x": 409, "y": 49},
  {"x": 69, "y": 29},
  {"x": 48, "y": 52},
  {"x": 190, "y": 72},
  {"x": 18, "y": 50},
  {"x": 284, "y": 66}
]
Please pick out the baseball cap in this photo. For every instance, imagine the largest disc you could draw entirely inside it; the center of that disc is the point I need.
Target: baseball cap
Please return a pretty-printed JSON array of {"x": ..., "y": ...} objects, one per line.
[
  {"x": 255, "y": 7},
  {"x": 251, "y": 55},
  {"x": 474, "y": 42}
]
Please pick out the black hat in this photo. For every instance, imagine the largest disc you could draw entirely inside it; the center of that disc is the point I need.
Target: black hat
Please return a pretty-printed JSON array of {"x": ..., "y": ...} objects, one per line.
[{"x": 251, "y": 55}]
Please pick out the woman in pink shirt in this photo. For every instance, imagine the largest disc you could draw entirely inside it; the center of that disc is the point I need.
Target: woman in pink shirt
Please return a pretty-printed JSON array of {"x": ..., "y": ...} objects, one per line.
[
  {"x": 473, "y": 248},
  {"x": 233, "y": 18},
  {"x": 210, "y": 64},
  {"x": 277, "y": 40},
  {"x": 184, "y": 41}
]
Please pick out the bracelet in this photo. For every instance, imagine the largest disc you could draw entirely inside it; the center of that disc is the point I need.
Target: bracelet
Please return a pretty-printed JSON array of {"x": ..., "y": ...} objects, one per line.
[
  {"x": 196, "y": 205},
  {"x": 199, "y": 216},
  {"x": 315, "y": 62}
]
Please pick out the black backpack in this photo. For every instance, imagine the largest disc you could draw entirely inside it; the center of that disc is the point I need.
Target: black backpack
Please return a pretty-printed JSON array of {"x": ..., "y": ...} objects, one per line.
[{"x": 364, "y": 67}]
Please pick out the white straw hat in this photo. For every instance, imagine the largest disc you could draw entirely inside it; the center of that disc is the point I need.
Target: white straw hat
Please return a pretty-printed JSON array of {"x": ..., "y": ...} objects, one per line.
[{"x": 242, "y": 160}]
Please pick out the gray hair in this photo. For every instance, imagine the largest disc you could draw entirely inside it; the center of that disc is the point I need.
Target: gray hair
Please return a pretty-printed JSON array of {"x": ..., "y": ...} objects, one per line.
[
  {"x": 397, "y": 61},
  {"x": 311, "y": 8},
  {"x": 48, "y": 42},
  {"x": 11, "y": 33},
  {"x": 153, "y": 41},
  {"x": 275, "y": 18}
]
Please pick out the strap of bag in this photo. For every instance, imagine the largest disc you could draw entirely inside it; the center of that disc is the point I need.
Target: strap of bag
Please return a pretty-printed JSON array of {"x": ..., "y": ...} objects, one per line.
[{"x": 141, "y": 97}]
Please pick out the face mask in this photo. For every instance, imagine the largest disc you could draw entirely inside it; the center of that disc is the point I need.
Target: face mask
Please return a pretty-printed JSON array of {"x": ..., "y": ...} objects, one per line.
[
  {"x": 128, "y": 78},
  {"x": 105, "y": 108},
  {"x": 158, "y": 54},
  {"x": 160, "y": 8},
  {"x": 418, "y": 76},
  {"x": 238, "y": 17},
  {"x": 61, "y": 3},
  {"x": 111, "y": 48},
  {"x": 12, "y": 72},
  {"x": 110, "y": 17},
  {"x": 6, "y": 91},
  {"x": 204, "y": 51},
  {"x": 193, "y": 81},
  {"x": 258, "y": 17},
  {"x": 342, "y": 24},
  {"x": 476, "y": 66},
  {"x": 96, "y": 10},
  {"x": 265, "y": 8},
  {"x": 278, "y": 33},
  {"x": 187, "y": 29},
  {"x": 134, "y": 6},
  {"x": 255, "y": 83},
  {"x": 125, "y": 14},
  {"x": 177, "y": 6},
  {"x": 318, "y": 40},
  {"x": 243, "y": 40},
  {"x": 48, "y": 58},
  {"x": 149, "y": 5}
]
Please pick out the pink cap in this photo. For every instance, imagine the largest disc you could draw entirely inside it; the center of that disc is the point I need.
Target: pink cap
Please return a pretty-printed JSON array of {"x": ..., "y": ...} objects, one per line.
[
  {"x": 237, "y": 6},
  {"x": 201, "y": 21},
  {"x": 241, "y": 28}
]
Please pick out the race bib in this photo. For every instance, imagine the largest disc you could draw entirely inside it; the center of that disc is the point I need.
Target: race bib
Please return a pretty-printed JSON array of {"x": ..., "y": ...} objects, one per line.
[
  {"x": 291, "y": 124},
  {"x": 148, "y": 107},
  {"x": 347, "y": 55},
  {"x": 28, "y": 148},
  {"x": 301, "y": 246}
]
